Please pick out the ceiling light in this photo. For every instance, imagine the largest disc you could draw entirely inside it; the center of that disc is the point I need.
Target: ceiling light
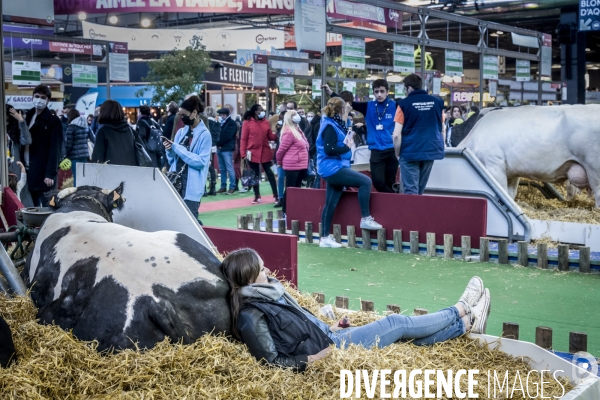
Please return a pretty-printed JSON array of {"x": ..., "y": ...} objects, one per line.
[
  {"x": 500, "y": 32},
  {"x": 367, "y": 56},
  {"x": 113, "y": 19},
  {"x": 494, "y": 34},
  {"x": 82, "y": 16},
  {"x": 61, "y": 28},
  {"x": 145, "y": 22},
  {"x": 233, "y": 54},
  {"x": 588, "y": 49}
]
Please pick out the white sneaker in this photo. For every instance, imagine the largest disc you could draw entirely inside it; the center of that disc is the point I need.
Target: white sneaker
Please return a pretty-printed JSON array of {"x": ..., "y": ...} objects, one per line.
[
  {"x": 472, "y": 294},
  {"x": 369, "y": 223},
  {"x": 481, "y": 312},
  {"x": 329, "y": 241}
]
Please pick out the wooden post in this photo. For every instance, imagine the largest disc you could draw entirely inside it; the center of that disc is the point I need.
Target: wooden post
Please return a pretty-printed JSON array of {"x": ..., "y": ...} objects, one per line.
[
  {"x": 351, "y": 232},
  {"x": 320, "y": 230},
  {"x": 279, "y": 214},
  {"x": 308, "y": 232},
  {"x": 250, "y": 218},
  {"x": 381, "y": 240},
  {"x": 395, "y": 308},
  {"x": 420, "y": 311},
  {"x": 337, "y": 233},
  {"x": 502, "y": 251},
  {"x": 296, "y": 228},
  {"x": 281, "y": 226},
  {"x": 484, "y": 250},
  {"x": 522, "y": 255},
  {"x": 542, "y": 255},
  {"x": 448, "y": 246},
  {"x": 239, "y": 221},
  {"x": 431, "y": 244},
  {"x": 260, "y": 216},
  {"x": 563, "y": 257},
  {"x": 465, "y": 247},
  {"x": 584, "y": 259},
  {"x": 341, "y": 302},
  {"x": 510, "y": 330},
  {"x": 319, "y": 297},
  {"x": 366, "y": 238},
  {"x": 543, "y": 337},
  {"x": 256, "y": 224},
  {"x": 269, "y": 225},
  {"x": 414, "y": 242},
  {"x": 397, "y": 240},
  {"x": 244, "y": 225},
  {"x": 367, "y": 305},
  {"x": 577, "y": 342},
  {"x": 270, "y": 214}
]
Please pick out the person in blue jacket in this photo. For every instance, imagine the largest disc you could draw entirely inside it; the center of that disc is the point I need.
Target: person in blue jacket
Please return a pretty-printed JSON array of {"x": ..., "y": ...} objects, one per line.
[
  {"x": 190, "y": 152},
  {"x": 418, "y": 135},
  {"x": 333, "y": 164}
]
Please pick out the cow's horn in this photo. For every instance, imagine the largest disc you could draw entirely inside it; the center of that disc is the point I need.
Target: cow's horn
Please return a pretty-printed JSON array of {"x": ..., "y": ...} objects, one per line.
[
  {"x": 66, "y": 192},
  {"x": 116, "y": 196},
  {"x": 52, "y": 203}
]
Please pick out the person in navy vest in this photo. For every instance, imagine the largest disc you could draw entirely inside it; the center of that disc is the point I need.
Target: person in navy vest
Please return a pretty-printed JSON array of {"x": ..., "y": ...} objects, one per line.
[
  {"x": 333, "y": 164},
  {"x": 418, "y": 135},
  {"x": 379, "y": 118}
]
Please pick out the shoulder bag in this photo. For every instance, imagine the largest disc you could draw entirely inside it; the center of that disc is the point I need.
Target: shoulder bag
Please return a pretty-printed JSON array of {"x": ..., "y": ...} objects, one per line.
[{"x": 141, "y": 155}]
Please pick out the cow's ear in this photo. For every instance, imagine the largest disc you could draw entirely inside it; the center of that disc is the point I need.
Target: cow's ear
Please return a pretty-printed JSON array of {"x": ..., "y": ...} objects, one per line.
[
  {"x": 52, "y": 201},
  {"x": 119, "y": 189}
]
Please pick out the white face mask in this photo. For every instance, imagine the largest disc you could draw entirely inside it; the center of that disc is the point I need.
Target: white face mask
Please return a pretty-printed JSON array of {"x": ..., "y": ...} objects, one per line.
[
  {"x": 39, "y": 103},
  {"x": 279, "y": 122},
  {"x": 309, "y": 119},
  {"x": 296, "y": 119},
  {"x": 261, "y": 115}
]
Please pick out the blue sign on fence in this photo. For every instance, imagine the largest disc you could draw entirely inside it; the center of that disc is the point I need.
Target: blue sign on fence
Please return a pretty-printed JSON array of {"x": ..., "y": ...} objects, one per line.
[{"x": 589, "y": 15}]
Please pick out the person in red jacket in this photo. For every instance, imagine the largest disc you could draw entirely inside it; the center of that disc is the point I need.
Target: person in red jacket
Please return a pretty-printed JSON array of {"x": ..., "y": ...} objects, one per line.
[
  {"x": 254, "y": 146},
  {"x": 293, "y": 153}
]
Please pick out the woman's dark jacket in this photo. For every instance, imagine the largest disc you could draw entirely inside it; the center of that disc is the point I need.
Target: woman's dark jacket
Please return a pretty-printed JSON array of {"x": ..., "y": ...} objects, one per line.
[
  {"x": 78, "y": 134},
  {"x": 280, "y": 334},
  {"x": 114, "y": 145},
  {"x": 44, "y": 150}
]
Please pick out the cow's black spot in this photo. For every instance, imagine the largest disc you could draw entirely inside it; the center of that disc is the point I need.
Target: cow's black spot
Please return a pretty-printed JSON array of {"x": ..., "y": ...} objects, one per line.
[
  {"x": 146, "y": 260},
  {"x": 154, "y": 264},
  {"x": 108, "y": 254},
  {"x": 129, "y": 245},
  {"x": 152, "y": 258},
  {"x": 84, "y": 242},
  {"x": 166, "y": 258},
  {"x": 168, "y": 262},
  {"x": 97, "y": 222}
]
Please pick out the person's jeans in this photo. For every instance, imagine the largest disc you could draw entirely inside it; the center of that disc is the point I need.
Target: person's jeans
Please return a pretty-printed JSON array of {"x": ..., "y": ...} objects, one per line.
[
  {"x": 280, "y": 182},
  {"x": 193, "y": 206},
  {"x": 415, "y": 175},
  {"x": 335, "y": 187},
  {"x": 226, "y": 168},
  {"x": 74, "y": 162},
  {"x": 424, "y": 329},
  {"x": 292, "y": 179},
  {"x": 384, "y": 167}
]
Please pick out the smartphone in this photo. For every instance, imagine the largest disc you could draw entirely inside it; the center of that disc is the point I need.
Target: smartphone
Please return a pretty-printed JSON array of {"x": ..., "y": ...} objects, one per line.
[{"x": 165, "y": 139}]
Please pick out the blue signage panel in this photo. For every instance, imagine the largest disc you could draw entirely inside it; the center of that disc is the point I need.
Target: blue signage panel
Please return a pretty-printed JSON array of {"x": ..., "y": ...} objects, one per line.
[{"x": 589, "y": 15}]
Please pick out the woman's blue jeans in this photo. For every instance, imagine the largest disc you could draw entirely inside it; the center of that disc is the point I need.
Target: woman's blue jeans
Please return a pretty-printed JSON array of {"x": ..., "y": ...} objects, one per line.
[
  {"x": 424, "y": 329},
  {"x": 280, "y": 182}
]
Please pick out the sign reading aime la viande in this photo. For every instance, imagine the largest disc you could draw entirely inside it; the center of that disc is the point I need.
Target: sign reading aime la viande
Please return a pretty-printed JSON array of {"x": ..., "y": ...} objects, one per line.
[{"x": 336, "y": 9}]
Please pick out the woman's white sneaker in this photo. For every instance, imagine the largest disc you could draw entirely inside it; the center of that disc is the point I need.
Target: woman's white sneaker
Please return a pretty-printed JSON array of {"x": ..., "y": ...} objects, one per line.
[
  {"x": 369, "y": 223},
  {"x": 481, "y": 312},
  {"x": 329, "y": 241},
  {"x": 472, "y": 294}
]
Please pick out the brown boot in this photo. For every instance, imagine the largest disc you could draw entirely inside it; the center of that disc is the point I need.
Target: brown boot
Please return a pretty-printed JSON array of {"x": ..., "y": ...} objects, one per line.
[{"x": 222, "y": 190}]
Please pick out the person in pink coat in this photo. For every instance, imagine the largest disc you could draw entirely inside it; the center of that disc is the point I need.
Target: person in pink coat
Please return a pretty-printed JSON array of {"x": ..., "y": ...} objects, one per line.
[
  {"x": 254, "y": 146},
  {"x": 293, "y": 153}
]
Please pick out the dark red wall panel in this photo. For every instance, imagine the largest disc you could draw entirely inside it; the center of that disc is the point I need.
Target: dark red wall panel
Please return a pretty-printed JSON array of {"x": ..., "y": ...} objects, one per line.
[{"x": 439, "y": 214}]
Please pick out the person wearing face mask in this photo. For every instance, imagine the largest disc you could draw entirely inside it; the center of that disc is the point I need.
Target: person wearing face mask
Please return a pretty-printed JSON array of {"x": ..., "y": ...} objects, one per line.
[
  {"x": 280, "y": 170},
  {"x": 190, "y": 152},
  {"x": 43, "y": 154},
  {"x": 255, "y": 148},
  {"x": 292, "y": 154},
  {"x": 225, "y": 148}
]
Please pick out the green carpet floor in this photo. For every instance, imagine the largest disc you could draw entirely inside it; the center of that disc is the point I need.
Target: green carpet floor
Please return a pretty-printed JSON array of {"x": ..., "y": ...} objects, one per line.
[{"x": 528, "y": 296}]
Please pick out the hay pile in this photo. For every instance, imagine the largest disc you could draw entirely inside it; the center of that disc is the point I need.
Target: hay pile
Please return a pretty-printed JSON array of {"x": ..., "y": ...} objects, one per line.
[
  {"x": 581, "y": 209},
  {"x": 54, "y": 365}
]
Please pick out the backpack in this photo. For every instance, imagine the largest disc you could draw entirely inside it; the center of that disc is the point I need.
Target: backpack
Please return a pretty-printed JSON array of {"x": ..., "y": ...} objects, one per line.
[{"x": 154, "y": 143}]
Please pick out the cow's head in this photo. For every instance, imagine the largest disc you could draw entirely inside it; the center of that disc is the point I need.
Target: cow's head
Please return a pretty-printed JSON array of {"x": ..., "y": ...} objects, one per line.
[{"x": 89, "y": 198}]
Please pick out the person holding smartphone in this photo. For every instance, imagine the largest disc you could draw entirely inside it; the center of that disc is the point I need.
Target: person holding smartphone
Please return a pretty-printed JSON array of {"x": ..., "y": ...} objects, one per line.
[{"x": 189, "y": 153}]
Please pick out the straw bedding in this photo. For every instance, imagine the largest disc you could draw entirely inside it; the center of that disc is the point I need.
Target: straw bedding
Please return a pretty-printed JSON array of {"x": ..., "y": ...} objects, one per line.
[
  {"x": 52, "y": 364},
  {"x": 581, "y": 209}
]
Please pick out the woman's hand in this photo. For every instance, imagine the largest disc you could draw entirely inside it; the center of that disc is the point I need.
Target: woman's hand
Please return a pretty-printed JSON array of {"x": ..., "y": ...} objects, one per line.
[
  {"x": 167, "y": 143},
  {"x": 327, "y": 89},
  {"x": 320, "y": 355},
  {"x": 20, "y": 164},
  {"x": 335, "y": 327},
  {"x": 16, "y": 115}
]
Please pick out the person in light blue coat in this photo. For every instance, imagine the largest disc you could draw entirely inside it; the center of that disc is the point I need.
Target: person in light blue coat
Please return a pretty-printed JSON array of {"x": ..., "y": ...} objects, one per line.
[{"x": 189, "y": 152}]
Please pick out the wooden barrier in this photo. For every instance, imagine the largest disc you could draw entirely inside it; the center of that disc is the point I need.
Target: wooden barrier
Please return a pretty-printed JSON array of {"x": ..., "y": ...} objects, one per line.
[
  {"x": 543, "y": 337},
  {"x": 584, "y": 259},
  {"x": 319, "y": 297},
  {"x": 256, "y": 224},
  {"x": 398, "y": 240},
  {"x": 281, "y": 225},
  {"x": 366, "y": 239},
  {"x": 381, "y": 242},
  {"x": 577, "y": 342},
  {"x": 414, "y": 242},
  {"x": 465, "y": 247},
  {"x": 502, "y": 251},
  {"x": 351, "y": 236},
  {"x": 510, "y": 330},
  {"x": 296, "y": 228},
  {"x": 308, "y": 231},
  {"x": 269, "y": 225},
  {"x": 367, "y": 305},
  {"x": 484, "y": 250},
  {"x": 522, "y": 254},
  {"x": 341, "y": 302},
  {"x": 448, "y": 246},
  {"x": 394, "y": 308},
  {"x": 542, "y": 255},
  {"x": 337, "y": 233},
  {"x": 431, "y": 251},
  {"x": 563, "y": 257}
]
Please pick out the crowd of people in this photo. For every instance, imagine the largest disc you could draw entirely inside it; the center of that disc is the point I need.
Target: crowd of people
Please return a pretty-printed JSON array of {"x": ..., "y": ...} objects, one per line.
[{"x": 291, "y": 148}]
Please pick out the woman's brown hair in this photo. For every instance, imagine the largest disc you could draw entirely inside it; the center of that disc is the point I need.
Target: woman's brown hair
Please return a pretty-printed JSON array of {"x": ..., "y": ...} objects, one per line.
[
  {"x": 241, "y": 267},
  {"x": 111, "y": 112},
  {"x": 335, "y": 105},
  {"x": 72, "y": 114}
]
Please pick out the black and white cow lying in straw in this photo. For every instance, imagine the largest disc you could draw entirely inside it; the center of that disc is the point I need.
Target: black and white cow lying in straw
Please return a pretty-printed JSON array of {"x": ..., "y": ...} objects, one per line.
[{"x": 118, "y": 285}]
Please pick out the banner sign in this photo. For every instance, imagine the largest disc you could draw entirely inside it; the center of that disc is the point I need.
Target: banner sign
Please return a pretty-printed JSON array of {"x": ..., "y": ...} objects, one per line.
[
  {"x": 350, "y": 86},
  {"x": 523, "y": 70},
  {"x": 353, "y": 52},
  {"x": 341, "y": 9},
  {"x": 454, "y": 63},
  {"x": 399, "y": 90},
  {"x": 87, "y": 103},
  {"x": 230, "y": 73},
  {"x": 546, "y": 67},
  {"x": 437, "y": 86},
  {"x": 286, "y": 85},
  {"x": 26, "y": 73},
  {"x": 490, "y": 67},
  {"x": 85, "y": 75},
  {"x": 25, "y": 43},
  {"x": 218, "y": 39},
  {"x": 404, "y": 58},
  {"x": 316, "y": 88},
  {"x": 118, "y": 62},
  {"x": 335, "y": 39},
  {"x": 260, "y": 72},
  {"x": 26, "y": 102},
  {"x": 589, "y": 15},
  {"x": 311, "y": 23},
  {"x": 493, "y": 88},
  {"x": 75, "y": 48}
]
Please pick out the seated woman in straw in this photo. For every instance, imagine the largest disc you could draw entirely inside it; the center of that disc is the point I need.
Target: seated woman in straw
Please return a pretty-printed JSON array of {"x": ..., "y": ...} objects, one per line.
[{"x": 276, "y": 329}]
